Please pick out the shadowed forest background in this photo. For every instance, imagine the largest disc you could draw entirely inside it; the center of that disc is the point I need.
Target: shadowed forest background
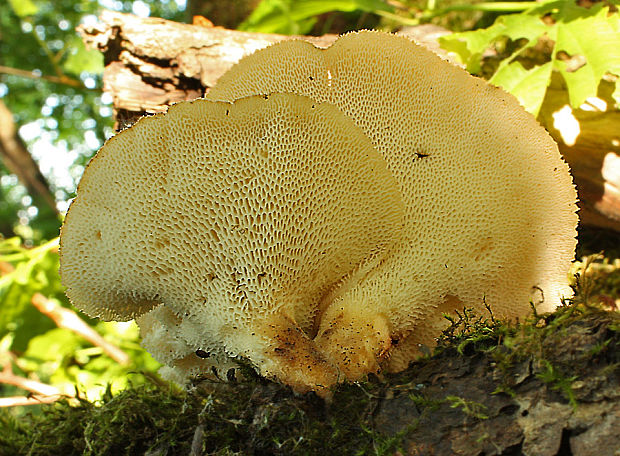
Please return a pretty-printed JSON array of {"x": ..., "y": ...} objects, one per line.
[{"x": 561, "y": 59}]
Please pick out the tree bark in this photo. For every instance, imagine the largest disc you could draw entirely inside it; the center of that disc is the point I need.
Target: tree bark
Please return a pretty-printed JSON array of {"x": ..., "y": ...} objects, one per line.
[{"x": 152, "y": 63}]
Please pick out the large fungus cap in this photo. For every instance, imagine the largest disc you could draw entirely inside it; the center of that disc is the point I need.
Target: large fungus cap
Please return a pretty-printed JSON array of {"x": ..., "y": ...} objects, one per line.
[
  {"x": 490, "y": 211},
  {"x": 221, "y": 226}
]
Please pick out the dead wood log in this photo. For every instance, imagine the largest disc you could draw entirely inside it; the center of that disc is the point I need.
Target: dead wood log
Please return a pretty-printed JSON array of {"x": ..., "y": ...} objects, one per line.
[
  {"x": 589, "y": 140},
  {"x": 551, "y": 391},
  {"x": 152, "y": 63}
]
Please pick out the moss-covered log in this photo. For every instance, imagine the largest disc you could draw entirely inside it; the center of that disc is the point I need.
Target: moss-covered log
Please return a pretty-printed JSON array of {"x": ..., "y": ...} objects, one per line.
[{"x": 547, "y": 387}]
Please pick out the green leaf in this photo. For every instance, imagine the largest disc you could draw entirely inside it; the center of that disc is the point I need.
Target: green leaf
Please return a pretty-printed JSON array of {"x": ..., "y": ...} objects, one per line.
[
  {"x": 529, "y": 86},
  {"x": 517, "y": 26},
  {"x": 10, "y": 245},
  {"x": 590, "y": 33},
  {"x": 23, "y": 8},
  {"x": 54, "y": 345},
  {"x": 36, "y": 270},
  {"x": 296, "y": 17},
  {"x": 597, "y": 39},
  {"x": 81, "y": 59},
  {"x": 470, "y": 46}
]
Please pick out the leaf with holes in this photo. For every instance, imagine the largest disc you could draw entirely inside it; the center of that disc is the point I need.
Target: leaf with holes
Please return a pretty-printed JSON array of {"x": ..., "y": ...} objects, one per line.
[
  {"x": 596, "y": 38},
  {"x": 469, "y": 46},
  {"x": 590, "y": 37}
]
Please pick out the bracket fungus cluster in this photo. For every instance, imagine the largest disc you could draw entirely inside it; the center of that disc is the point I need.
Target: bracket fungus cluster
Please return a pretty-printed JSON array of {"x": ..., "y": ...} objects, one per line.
[{"x": 319, "y": 212}]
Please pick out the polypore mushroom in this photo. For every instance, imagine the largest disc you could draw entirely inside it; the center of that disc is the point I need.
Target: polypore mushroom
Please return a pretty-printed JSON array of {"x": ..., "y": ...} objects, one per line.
[
  {"x": 271, "y": 229},
  {"x": 490, "y": 212},
  {"x": 220, "y": 227}
]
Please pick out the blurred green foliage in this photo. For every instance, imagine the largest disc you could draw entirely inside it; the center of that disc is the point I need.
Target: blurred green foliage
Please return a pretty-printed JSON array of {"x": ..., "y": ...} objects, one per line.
[
  {"x": 40, "y": 37},
  {"x": 61, "y": 358},
  {"x": 588, "y": 35},
  {"x": 53, "y": 355},
  {"x": 30, "y": 271},
  {"x": 298, "y": 17},
  {"x": 63, "y": 120}
]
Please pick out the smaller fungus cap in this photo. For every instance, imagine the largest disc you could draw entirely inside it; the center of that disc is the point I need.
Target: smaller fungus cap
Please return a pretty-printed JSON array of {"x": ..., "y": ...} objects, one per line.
[{"x": 231, "y": 216}]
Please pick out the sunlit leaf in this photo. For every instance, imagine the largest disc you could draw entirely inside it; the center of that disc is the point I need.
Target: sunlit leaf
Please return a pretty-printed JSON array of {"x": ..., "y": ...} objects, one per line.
[
  {"x": 469, "y": 46},
  {"x": 81, "y": 59},
  {"x": 23, "y": 8},
  {"x": 10, "y": 245},
  {"x": 35, "y": 270},
  {"x": 298, "y": 16},
  {"x": 54, "y": 345},
  {"x": 597, "y": 39},
  {"x": 529, "y": 86},
  {"x": 592, "y": 34},
  {"x": 6, "y": 342}
]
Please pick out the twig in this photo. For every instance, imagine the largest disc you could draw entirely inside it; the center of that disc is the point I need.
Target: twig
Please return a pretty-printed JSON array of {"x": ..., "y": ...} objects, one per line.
[
  {"x": 27, "y": 400},
  {"x": 8, "y": 377},
  {"x": 66, "y": 318},
  {"x": 43, "y": 389},
  {"x": 44, "y": 393},
  {"x": 66, "y": 80}
]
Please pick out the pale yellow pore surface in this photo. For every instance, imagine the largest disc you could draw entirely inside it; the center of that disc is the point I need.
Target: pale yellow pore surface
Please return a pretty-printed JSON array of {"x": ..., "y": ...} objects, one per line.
[
  {"x": 490, "y": 204},
  {"x": 221, "y": 226}
]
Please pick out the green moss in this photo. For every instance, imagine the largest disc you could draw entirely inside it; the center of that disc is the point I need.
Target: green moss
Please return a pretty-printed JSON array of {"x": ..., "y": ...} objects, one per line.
[
  {"x": 59, "y": 430},
  {"x": 218, "y": 418},
  {"x": 260, "y": 417},
  {"x": 469, "y": 332},
  {"x": 131, "y": 422},
  {"x": 562, "y": 347},
  {"x": 469, "y": 408},
  {"x": 558, "y": 381},
  {"x": 425, "y": 404}
]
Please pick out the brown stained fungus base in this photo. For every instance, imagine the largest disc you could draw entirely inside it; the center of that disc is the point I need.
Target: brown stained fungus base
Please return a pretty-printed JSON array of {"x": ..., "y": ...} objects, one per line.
[{"x": 546, "y": 388}]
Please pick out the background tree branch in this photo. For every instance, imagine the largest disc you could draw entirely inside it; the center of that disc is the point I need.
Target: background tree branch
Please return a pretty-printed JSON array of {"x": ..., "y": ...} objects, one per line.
[{"x": 18, "y": 160}]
